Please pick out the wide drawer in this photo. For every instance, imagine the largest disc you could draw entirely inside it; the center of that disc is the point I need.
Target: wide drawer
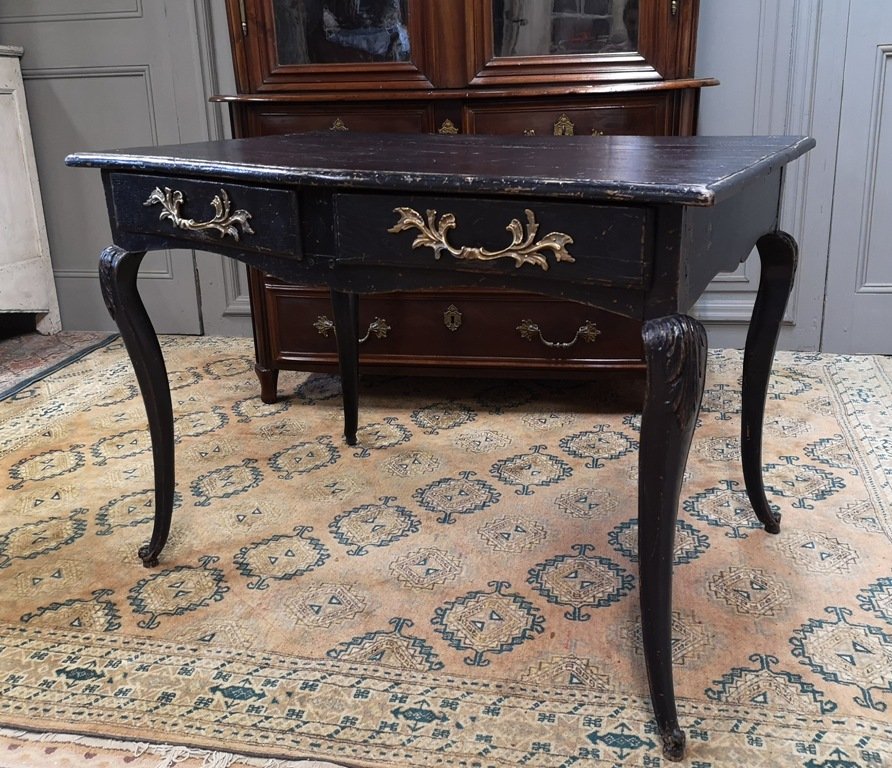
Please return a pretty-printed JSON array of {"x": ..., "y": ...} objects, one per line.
[
  {"x": 433, "y": 329},
  {"x": 552, "y": 241},
  {"x": 207, "y": 213},
  {"x": 643, "y": 116}
]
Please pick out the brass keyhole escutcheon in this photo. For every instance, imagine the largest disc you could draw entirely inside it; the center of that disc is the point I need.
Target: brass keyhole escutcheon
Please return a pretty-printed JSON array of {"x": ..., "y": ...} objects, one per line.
[
  {"x": 452, "y": 318},
  {"x": 564, "y": 126}
]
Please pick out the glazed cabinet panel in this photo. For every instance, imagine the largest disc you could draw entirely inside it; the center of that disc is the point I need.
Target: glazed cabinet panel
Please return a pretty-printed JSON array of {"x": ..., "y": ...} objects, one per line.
[{"x": 551, "y": 68}]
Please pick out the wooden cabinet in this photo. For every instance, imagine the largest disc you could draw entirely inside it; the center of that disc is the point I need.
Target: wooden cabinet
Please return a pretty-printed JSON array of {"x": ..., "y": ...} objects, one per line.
[{"x": 513, "y": 67}]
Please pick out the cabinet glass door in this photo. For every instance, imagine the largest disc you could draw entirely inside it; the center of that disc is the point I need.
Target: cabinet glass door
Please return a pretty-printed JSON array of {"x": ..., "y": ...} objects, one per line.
[
  {"x": 305, "y": 45},
  {"x": 580, "y": 40},
  {"x": 564, "y": 27},
  {"x": 341, "y": 31}
]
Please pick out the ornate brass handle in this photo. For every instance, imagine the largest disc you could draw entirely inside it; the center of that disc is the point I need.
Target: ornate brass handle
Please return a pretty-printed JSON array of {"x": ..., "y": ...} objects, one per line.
[
  {"x": 673, "y": 6},
  {"x": 448, "y": 128},
  {"x": 338, "y": 125},
  {"x": 378, "y": 327},
  {"x": 522, "y": 248},
  {"x": 224, "y": 222},
  {"x": 529, "y": 330}
]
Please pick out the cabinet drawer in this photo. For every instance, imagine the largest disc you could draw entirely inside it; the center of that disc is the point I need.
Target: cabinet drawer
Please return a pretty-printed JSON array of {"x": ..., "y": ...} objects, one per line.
[
  {"x": 202, "y": 212},
  {"x": 270, "y": 119},
  {"x": 645, "y": 116},
  {"x": 432, "y": 329},
  {"x": 553, "y": 241}
]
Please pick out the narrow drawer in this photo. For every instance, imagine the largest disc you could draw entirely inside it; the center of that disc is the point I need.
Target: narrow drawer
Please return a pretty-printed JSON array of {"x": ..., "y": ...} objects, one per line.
[
  {"x": 644, "y": 116},
  {"x": 208, "y": 213},
  {"x": 551, "y": 241},
  {"x": 268, "y": 120}
]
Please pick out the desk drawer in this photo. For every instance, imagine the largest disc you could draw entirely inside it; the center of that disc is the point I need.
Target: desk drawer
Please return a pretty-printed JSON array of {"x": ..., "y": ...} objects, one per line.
[
  {"x": 551, "y": 241},
  {"x": 207, "y": 213}
]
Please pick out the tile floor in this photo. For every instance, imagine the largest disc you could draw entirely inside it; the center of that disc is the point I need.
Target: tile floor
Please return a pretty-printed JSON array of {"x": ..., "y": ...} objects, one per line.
[{"x": 28, "y": 354}]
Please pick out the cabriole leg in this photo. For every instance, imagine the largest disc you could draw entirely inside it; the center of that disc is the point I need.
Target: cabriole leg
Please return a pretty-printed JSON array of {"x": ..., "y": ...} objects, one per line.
[
  {"x": 117, "y": 276},
  {"x": 778, "y": 255},
  {"x": 675, "y": 351}
]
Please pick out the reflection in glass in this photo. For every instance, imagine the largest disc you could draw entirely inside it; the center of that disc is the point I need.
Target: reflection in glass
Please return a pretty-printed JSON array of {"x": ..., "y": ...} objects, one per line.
[
  {"x": 341, "y": 31},
  {"x": 564, "y": 27}
]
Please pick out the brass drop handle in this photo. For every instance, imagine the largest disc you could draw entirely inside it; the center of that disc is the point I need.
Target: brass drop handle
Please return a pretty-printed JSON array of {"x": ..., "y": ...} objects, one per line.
[
  {"x": 529, "y": 330},
  {"x": 226, "y": 221},
  {"x": 379, "y": 327},
  {"x": 448, "y": 128},
  {"x": 338, "y": 125},
  {"x": 673, "y": 7}
]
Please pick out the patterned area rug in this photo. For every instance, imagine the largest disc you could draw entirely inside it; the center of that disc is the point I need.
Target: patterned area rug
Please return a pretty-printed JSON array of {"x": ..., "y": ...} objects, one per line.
[{"x": 460, "y": 589}]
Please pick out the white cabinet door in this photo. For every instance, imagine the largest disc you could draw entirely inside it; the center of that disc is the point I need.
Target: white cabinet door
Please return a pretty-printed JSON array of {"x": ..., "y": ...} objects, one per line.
[
  {"x": 858, "y": 309},
  {"x": 26, "y": 274}
]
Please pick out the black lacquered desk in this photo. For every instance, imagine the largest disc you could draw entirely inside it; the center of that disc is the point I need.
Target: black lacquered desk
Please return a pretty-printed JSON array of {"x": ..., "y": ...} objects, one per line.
[{"x": 636, "y": 226}]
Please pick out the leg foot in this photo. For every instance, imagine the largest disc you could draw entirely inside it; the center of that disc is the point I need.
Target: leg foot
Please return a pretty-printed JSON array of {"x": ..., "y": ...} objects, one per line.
[
  {"x": 673, "y": 744},
  {"x": 117, "y": 276},
  {"x": 269, "y": 380},
  {"x": 345, "y": 307},
  {"x": 148, "y": 557},
  {"x": 778, "y": 255},
  {"x": 675, "y": 351}
]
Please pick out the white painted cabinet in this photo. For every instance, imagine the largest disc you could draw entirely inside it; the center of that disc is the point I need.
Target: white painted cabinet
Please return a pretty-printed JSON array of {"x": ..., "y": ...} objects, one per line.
[{"x": 26, "y": 275}]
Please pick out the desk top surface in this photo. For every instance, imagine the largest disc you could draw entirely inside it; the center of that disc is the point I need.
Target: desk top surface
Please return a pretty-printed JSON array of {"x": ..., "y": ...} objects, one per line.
[{"x": 698, "y": 170}]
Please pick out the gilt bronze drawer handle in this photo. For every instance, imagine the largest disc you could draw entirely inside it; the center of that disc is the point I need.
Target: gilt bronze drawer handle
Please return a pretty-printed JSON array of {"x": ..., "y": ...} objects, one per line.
[
  {"x": 379, "y": 327},
  {"x": 529, "y": 330},
  {"x": 338, "y": 125},
  {"x": 224, "y": 222},
  {"x": 522, "y": 249}
]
